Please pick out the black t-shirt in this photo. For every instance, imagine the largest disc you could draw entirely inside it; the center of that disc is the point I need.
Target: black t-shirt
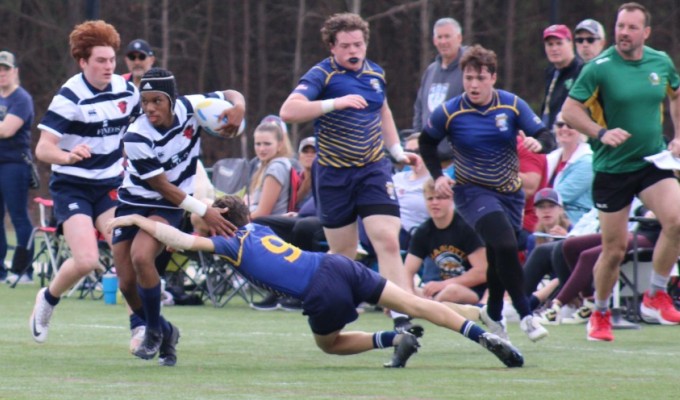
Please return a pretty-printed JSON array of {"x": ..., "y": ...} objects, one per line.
[{"x": 448, "y": 248}]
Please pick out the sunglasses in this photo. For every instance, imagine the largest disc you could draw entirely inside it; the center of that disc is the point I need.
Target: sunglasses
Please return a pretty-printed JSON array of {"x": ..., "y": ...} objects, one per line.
[
  {"x": 562, "y": 124},
  {"x": 136, "y": 56},
  {"x": 590, "y": 40}
]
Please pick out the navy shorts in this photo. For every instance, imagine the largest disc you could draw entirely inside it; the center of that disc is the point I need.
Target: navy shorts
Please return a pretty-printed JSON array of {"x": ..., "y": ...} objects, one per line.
[
  {"x": 344, "y": 193},
  {"x": 474, "y": 202},
  {"x": 173, "y": 216},
  {"x": 614, "y": 192},
  {"x": 72, "y": 198},
  {"x": 335, "y": 291}
]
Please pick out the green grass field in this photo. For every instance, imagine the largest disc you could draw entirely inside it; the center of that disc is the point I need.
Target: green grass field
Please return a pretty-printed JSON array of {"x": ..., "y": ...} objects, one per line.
[{"x": 238, "y": 353}]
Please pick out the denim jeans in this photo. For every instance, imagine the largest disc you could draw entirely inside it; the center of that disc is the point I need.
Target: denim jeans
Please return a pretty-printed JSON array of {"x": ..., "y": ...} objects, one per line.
[{"x": 14, "y": 178}]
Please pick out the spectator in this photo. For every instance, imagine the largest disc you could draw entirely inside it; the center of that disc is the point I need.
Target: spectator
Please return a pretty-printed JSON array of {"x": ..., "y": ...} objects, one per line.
[
  {"x": 562, "y": 72},
  {"x": 625, "y": 96},
  {"x": 306, "y": 157},
  {"x": 589, "y": 38},
  {"x": 552, "y": 221},
  {"x": 487, "y": 187},
  {"x": 532, "y": 172},
  {"x": 16, "y": 118},
  {"x": 458, "y": 254},
  {"x": 570, "y": 170},
  {"x": 270, "y": 182},
  {"x": 443, "y": 78},
  {"x": 139, "y": 58},
  {"x": 81, "y": 137},
  {"x": 346, "y": 94}
]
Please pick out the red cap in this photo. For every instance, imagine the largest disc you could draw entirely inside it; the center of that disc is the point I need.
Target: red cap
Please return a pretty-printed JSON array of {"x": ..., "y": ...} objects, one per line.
[{"x": 558, "y": 31}]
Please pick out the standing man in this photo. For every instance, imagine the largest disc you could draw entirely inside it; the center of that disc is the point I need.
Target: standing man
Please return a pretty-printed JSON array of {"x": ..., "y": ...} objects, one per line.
[
  {"x": 442, "y": 79},
  {"x": 80, "y": 135},
  {"x": 589, "y": 38},
  {"x": 345, "y": 94},
  {"x": 562, "y": 72},
  {"x": 624, "y": 91},
  {"x": 483, "y": 124},
  {"x": 139, "y": 58}
]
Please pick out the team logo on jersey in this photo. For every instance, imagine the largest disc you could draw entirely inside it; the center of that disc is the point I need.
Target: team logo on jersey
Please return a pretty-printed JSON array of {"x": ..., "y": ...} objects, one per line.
[
  {"x": 502, "y": 122},
  {"x": 92, "y": 112},
  {"x": 122, "y": 106},
  {"x": 654, "y": 79},
  {"x": 301, "y": 86},
  {"x": 375, "y": 84},
  {"x": 569, "y": 83},
  {"x": 389, "y": 188},
  {"x": 437, "y": 95},
  {"x": 189, "y": 132}
]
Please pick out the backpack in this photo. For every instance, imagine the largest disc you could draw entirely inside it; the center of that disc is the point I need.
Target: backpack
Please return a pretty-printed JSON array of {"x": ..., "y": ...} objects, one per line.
[{"x": 295, "y": 182}]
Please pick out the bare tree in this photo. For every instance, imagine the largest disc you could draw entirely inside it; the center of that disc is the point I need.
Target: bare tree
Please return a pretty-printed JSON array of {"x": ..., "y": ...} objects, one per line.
[{"x": 509, "y": 71}]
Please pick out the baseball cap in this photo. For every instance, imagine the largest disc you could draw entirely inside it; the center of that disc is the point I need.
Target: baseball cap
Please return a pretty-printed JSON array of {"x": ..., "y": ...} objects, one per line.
[
  {"x": 7, "y": 58},
  {"x": 591, "y": 26},
  {"x": 306, "y": 142},
  {"x": 558, "y": 31},
  {"x": 139, "y": 46},
  {"x": 548, "y": 194}
]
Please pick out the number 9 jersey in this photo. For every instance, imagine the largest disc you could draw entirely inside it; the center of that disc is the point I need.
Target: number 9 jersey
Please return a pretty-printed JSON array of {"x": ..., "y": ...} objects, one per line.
[{"x": 268, "y": 261}]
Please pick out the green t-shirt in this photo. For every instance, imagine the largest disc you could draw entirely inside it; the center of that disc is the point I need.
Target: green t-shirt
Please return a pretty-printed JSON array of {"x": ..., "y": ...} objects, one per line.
[{"x": 628, "y": 95}]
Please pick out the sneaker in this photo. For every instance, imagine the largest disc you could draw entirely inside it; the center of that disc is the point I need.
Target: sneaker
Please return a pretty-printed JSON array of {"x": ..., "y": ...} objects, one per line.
[
  {"x": 269, "y": 303},
  {"x": 167, "y": 355},
  {"x": 150, "y": 345},
  {"x": 289, "y": 304},
  {"x": 20, "y": 280},
  {"x": 40, "y": 318},
  {"x": 498, "y": 328},
  {"x": 600, "y": 327},
  {"x": 136, "y": 337},
  {"x": 551, "y": 316},
  {"x": 404, "y": 325},
  {"x": 659, "y": 309},
  {"x": 403, "y": 351},
  {"x": 580, "y": 316},
  {"x": 502, "y": 349},
  {"x": 533, "y": 328}
]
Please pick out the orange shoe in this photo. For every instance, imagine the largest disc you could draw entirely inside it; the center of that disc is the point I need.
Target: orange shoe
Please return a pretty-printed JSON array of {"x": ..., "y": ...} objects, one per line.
[
  {"x": 659, "y": 309},
  {"x": 600, "y": 327}
]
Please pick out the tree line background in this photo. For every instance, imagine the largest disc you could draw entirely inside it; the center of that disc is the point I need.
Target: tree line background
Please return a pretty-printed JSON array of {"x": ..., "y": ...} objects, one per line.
[{"x": 262, "y": 47}]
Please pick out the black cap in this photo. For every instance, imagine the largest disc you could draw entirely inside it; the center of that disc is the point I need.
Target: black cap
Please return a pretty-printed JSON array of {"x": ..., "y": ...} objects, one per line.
[{"x": 139, "y": 46}]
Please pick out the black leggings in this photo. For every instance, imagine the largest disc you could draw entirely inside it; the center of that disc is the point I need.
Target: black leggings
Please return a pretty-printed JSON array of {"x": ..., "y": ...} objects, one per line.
[{"x": 505, "y": 271}]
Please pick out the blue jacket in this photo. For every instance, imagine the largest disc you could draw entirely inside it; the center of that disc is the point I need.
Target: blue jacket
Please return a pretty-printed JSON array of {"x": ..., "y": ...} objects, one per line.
[{"x": 574, "y": 182}]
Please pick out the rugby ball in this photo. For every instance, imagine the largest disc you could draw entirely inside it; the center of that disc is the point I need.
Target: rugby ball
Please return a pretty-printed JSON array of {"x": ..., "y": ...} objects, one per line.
[{"x": 208, "y": 116}]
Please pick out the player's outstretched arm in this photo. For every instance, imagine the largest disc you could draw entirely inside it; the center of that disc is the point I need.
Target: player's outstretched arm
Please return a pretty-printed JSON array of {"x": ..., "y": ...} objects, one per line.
[{"x": 164, "y": 233}]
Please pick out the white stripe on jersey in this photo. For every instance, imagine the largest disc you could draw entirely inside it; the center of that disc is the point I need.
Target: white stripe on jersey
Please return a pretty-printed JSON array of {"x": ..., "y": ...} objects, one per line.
[
  {"x": 173, "y": 153},
  {"x": 77, "y": 115}
]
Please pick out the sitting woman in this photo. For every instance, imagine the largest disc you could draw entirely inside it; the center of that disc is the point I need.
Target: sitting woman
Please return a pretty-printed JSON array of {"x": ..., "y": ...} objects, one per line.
[
  {"x": 552, "y": 221},
  {"x": 570, "y": 170},
  {"x": 270, "y": 182}
]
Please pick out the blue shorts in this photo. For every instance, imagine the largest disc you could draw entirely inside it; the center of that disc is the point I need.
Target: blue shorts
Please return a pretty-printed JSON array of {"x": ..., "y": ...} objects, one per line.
[
  {"x": 474, "y": 202},
  {"x": 71, "y": 198},
  {"x": 342, "y": 194},
  {"x": 335, "y": 291},
  {"x": 173, "y": 216}
]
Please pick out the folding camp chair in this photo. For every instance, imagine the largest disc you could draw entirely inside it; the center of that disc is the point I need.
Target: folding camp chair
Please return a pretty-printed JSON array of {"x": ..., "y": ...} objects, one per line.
[
  {"x": 223, "y": 282},
  {"x": 50, "y": 247},
  {"x": 230, "y": 175}
]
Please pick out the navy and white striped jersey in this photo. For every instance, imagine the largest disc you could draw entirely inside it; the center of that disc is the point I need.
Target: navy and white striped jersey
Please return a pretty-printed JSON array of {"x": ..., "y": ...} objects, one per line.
[
  {"x": 82, "y": 114},
  {"x": 150, "y": 152}
]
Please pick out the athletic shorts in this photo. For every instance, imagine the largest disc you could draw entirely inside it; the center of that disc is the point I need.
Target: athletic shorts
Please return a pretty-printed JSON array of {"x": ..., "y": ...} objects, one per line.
[
  {"x": 72, "y": 198},
  {"x": 342, "y": 194},
  {"x": 474, "y": 202},
  {"x": 614, "y": 192},
  {"x": 335, "y": 291},
  {"x": 122, "y": 234}
]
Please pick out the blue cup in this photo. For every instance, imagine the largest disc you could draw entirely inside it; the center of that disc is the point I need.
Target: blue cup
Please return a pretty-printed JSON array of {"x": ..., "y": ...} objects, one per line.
[{"x": 110, "y": 283}]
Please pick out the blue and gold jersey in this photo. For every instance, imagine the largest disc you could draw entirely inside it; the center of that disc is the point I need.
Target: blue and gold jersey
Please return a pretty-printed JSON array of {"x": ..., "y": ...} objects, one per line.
[
  {"x": 267, "y": 261},
  {"x": 484, "y": 139},
  {"x": 349, "y": 137}
]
